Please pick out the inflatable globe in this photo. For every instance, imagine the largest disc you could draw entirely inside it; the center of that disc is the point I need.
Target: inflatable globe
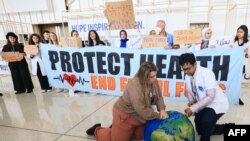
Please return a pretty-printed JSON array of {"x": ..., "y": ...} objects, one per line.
[{"x": 177, "y": 127}]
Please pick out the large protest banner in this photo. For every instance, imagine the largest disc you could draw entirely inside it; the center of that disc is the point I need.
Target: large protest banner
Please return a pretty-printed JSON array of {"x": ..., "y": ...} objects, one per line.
[{"x": 107, "y": 70}]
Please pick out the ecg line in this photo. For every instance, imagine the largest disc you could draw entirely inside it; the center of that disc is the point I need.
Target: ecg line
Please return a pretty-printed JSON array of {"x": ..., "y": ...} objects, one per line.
[{"x": 80, "y": 80}]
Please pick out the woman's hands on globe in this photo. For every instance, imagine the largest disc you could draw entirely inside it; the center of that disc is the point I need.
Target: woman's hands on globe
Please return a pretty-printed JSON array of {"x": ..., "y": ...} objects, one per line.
[{"x": 163, "y": 114}]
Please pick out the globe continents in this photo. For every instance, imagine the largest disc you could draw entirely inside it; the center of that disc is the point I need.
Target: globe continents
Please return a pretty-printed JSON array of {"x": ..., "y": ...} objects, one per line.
[{"x": 177, "y": 127}]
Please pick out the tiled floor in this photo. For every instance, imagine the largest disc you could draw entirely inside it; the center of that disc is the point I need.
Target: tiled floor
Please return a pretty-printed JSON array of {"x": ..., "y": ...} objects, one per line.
[{"x": 64, "y": 117}]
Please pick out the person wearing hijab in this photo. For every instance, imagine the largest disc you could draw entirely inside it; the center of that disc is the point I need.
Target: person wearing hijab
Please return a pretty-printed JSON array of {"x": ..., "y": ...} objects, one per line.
[
  {"x": 207, "y": 41},
  {"x": 19, "y": 69},
  {"x": 124, "y": 41}
]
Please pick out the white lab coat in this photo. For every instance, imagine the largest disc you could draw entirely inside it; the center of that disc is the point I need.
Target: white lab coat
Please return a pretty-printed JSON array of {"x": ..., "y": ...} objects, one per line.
[
  {"x": 205, "y": 80},
  {"x": 34, "y": 62}
]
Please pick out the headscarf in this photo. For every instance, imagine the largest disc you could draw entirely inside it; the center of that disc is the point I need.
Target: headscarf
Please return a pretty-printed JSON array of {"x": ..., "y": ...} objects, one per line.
[
  {"x": 123, "y": 41},
  {"x": 203, "y": 33}
]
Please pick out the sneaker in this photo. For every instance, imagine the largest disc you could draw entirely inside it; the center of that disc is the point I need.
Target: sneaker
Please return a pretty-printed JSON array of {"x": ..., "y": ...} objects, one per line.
[
  {"x": 91, "y": 130},
  {"x": 228, "y": 124},
  {"x": 241, "y": 102},
  {"x": 65, "y": 91},
  {"x": 29, "y": 91},
  {"x": 43, "y": 91},
  {"x": 20, "y": 92},
  {"x": 49, "y": 90},
  {"x": 1, "y": 94},
  {"x": 59, "y": 90}
]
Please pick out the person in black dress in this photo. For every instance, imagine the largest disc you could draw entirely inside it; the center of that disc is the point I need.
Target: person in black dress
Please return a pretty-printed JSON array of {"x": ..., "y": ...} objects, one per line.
[{"x": 19, "y": 70}]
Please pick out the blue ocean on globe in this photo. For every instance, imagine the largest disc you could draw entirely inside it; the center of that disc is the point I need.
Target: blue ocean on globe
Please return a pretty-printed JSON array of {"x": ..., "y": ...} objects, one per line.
[{"x": 177, "y": 127}]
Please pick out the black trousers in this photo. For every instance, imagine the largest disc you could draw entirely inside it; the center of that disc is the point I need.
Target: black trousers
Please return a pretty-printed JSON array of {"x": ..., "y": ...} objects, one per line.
[
  {"x": 44, "y": 83},
  {"x": 205, "y": 123},
  {"x": 21, "y": 76}
]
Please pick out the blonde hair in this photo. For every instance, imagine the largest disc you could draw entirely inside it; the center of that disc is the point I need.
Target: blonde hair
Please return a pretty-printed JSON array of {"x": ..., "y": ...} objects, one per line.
[
  {"x": 143, "y": 74},
  {"x": 51, "y": 42}
]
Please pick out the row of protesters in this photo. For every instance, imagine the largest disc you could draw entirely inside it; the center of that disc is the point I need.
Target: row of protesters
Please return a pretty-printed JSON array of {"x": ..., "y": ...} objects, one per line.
[{"x": 124, "y": 41}]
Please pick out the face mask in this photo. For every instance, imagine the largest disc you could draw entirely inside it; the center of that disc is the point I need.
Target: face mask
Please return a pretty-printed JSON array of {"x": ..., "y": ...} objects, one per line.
[{"x": 158, "y": 30}]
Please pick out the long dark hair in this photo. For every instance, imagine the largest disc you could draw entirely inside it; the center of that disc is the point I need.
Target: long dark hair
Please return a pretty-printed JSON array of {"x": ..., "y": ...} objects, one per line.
[
  {"x": 31, "y": 42},
  {"x": 98, "y": 41},
  {"x": 245, "y": 38}
]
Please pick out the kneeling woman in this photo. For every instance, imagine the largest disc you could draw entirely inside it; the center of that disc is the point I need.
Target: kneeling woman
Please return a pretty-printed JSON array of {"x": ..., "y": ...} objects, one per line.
[{"x": 136, "y": 106}]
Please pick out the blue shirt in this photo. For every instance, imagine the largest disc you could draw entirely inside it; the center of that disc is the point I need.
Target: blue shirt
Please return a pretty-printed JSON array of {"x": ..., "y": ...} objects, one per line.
[{"x": 170, "y": 39}]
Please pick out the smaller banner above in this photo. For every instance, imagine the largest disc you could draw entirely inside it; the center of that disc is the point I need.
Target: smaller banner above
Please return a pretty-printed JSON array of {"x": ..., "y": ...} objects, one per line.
[
  {"x": 71, "y": 42},
  {"x": 154, "y": 41},
  {"x": 120, "y": 15},
  {"x": 31, "y": 49},
  {"x": 187, "y": 36}
]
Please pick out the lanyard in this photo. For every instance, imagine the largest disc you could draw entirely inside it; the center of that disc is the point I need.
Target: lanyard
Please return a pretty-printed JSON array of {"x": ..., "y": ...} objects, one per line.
[{"x": 194, "y": 90}]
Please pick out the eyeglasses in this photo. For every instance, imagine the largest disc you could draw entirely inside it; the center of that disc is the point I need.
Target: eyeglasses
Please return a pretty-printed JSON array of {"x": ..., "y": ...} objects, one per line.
[{"x": 187, "y": 69}]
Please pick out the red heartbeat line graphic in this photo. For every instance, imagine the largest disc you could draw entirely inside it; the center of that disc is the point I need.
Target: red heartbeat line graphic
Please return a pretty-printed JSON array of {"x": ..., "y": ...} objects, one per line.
[{"x": 71, "y": 79}]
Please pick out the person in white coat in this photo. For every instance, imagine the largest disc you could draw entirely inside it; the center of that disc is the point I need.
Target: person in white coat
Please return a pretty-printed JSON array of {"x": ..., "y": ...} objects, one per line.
[
  {"x": 206, "y": 99},
  {"x": 38, "y": 66},
  {"x": 124, "y": 41}
]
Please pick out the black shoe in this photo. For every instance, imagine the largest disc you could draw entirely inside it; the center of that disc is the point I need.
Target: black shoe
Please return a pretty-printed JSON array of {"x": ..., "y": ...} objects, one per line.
[
  {"x": 1, "y": 94},
  {"x": 20, "y": 92},
  {"x": 29, "y": 91},
  {"x": 241, "y": 102},
  {"x": 110, "y": 126},
  {"x": 228, "y": 124},
  {"x": 91, "y": 131}
]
